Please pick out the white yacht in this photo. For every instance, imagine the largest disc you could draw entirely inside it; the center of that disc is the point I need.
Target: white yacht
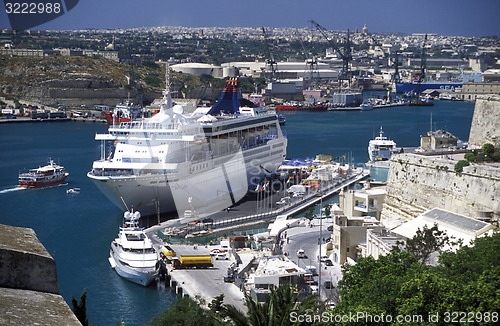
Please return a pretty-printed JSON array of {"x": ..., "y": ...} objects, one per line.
[
  {"x": 132, "y": 254},
  {"x": 203, "y": 162},
  {"x": 381, "y": 148}
]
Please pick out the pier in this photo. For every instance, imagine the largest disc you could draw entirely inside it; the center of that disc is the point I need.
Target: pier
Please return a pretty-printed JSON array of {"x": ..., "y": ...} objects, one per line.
[{"x": 210, "y": 282}]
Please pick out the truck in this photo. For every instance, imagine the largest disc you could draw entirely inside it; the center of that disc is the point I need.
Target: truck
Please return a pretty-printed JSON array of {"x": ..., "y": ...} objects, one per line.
[{"x": 192, "y": 261}]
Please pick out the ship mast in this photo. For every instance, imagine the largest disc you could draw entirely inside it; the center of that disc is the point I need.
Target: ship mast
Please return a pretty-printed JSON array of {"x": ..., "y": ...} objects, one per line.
[{"x": 167, "y": 98}]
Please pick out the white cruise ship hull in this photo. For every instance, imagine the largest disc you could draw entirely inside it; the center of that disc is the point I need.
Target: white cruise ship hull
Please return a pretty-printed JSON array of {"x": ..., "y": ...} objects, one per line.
[
  {"x": 202, "y": 162},
  {"x": 205, "y": 192}
]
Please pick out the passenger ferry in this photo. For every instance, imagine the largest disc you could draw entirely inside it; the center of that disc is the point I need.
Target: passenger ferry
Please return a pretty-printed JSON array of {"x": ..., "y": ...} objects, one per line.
[
  {"x": 202, "y": 162},
  {"x": 381, "y": 148},
  {"x": 44, "y": 176}
]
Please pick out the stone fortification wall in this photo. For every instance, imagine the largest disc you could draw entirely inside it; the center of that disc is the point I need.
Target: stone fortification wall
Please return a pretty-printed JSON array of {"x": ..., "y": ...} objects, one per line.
[
  {"x": 485, "y": 126},
  {"x": 417, "y": 183},
  {"x": 29, "y": 294},
  {"x": 26, "y": 264}
]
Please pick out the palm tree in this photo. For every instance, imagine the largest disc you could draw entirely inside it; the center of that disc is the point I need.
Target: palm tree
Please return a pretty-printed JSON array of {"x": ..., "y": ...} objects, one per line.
[{"x": 275, "y": 311}]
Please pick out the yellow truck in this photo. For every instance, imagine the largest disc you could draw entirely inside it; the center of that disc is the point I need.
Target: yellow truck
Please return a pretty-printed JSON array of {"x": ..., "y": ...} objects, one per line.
[
  {"x": 168, "y": 251},
  {"x": 192, "y": 261}
]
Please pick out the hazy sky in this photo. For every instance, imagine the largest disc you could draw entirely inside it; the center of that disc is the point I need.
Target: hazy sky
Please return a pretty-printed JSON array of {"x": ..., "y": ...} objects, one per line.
[{"x": 450, "y": 17}]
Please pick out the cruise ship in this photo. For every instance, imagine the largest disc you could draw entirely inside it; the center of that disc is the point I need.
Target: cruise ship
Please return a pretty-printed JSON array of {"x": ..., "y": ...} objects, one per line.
[{"x": 202, "y": 162}]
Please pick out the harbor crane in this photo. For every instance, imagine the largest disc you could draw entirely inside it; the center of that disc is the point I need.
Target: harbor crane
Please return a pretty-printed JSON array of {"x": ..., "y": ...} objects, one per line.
[
  {"x": 270, "y": 62},
  {"x": 344, "y": 52}
]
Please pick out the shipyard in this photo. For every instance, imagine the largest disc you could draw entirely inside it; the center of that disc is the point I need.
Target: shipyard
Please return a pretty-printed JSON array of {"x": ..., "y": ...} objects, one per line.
[{"x": 183, "y": 175}]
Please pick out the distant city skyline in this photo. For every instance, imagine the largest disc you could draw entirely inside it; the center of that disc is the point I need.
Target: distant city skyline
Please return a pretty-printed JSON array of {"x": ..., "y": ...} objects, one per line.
[{"x": 448, "y": 18}]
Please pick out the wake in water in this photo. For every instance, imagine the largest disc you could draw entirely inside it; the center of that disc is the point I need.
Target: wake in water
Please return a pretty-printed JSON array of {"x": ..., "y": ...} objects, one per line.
[{"x": 17, "y": 188}]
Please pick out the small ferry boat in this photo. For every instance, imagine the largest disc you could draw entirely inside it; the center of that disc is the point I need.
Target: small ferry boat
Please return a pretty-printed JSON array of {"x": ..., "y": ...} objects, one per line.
[
  {"x": 132, "y": 254},
  {"x": 44, "y": 176},
  {"x": 381, "y": 148}
]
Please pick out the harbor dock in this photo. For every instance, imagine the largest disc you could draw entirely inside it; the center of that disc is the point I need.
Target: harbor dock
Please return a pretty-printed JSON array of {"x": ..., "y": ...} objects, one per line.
[{"x": 208, "y": 283}]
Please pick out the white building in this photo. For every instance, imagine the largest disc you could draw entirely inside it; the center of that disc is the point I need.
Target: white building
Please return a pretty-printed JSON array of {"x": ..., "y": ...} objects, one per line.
[{"x": 458, "y": 226}]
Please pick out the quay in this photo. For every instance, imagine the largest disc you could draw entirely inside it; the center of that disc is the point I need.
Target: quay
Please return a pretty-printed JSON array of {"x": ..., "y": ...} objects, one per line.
[{"x": 210, "y": 282}]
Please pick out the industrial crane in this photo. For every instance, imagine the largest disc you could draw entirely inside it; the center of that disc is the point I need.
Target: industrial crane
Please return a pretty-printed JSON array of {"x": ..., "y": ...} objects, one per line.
[
  {"x": 270, "y": 62},
  {"x": 344, "y": 52}
]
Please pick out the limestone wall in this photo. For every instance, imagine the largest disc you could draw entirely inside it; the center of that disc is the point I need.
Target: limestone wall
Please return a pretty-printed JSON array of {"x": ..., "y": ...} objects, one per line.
[
  {"x": 485, "y": 126},
  {"x": 29, "y": 294},
  {"x": 25, "y": 263},
  {"x": 417, "y": 183}
]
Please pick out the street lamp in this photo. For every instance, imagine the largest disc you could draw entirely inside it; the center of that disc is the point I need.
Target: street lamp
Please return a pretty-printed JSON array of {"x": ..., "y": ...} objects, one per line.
[{"x": 320, "y": 195}]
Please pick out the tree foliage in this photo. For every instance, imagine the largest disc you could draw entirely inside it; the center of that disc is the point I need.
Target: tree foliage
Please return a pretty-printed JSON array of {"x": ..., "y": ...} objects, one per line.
[
  {"x": 459, "y": 166},
  {"x": 80, "y": 308},
  {"x": 427, "y": 241},
  {"x": 398, "y": 284}
]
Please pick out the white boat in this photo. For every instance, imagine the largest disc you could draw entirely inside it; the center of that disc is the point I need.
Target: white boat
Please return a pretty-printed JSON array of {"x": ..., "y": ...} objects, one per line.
[
  {"x": 73, "y": 191},
  {"x": 366, "y": 106},
  {"x": 381, "y": 148},
  {"x": 132, "y": 254},
  {"x": 44, "y": 176},
  {"x": 203, "y": 162}
]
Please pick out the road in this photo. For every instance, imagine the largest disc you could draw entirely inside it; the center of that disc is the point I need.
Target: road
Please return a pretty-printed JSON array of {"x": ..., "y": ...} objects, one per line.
[{"x": 306, "y": 238}]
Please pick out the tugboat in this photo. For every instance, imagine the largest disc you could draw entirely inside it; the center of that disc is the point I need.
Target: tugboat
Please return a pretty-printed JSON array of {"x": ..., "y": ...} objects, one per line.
[{"x": 44, "y": 176}]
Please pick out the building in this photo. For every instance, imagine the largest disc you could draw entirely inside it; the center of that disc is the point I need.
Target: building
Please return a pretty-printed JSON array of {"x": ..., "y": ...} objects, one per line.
[
  {"x": 470, "y": 91},
  {"x": 349, "y": 235},
  {"x": 364, "y": 202},
  {"x": 198, "y": 69},
  {"x": 457, "y": 226},
  {"x": 380, "y": 242},
  {"x": 438, "y": 140},
  {"x": 274, "y": 271}
]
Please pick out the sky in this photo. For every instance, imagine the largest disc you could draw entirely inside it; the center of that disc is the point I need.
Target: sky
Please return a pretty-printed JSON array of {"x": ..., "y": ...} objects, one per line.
[{"x": 442, "y": 17}]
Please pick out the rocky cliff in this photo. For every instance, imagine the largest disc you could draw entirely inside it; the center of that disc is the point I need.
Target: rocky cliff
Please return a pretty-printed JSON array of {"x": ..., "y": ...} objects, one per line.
[{"x": 74, "y": 81}]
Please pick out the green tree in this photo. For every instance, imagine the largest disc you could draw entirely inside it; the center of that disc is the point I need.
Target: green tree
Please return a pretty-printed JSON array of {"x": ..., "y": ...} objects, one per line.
[
  {"x": 376, "y": 284},
  {"x": 488, "y": 149},
  {"x": 186, "y": 312},
  {"x": 275, "y": 310},
  {"x": 427, "y": 241},
  {"x": 459, "y": 166},
  {"x": 309, "y": 213},
  {"x": 470, "y": 157},
  {"x": 80, "y": 308}
]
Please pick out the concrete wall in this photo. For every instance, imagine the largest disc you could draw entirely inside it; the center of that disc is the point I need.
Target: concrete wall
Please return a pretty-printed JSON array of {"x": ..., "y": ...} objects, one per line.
[{"x": 417, "y": 183}]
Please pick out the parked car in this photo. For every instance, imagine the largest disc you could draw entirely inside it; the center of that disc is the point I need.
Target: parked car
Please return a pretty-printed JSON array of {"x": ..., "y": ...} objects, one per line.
[
  {"x": 311, "y": 269},
  {"x": 301, "y": 253},
  {"x": 314, "y": 289},
  {"x": 221, "y": 256},
  {"x": 216, "y": 251}
]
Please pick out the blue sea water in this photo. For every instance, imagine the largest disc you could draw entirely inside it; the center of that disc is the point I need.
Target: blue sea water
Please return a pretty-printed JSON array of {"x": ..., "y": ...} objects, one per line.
[{"x": 77, "y": 229}]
